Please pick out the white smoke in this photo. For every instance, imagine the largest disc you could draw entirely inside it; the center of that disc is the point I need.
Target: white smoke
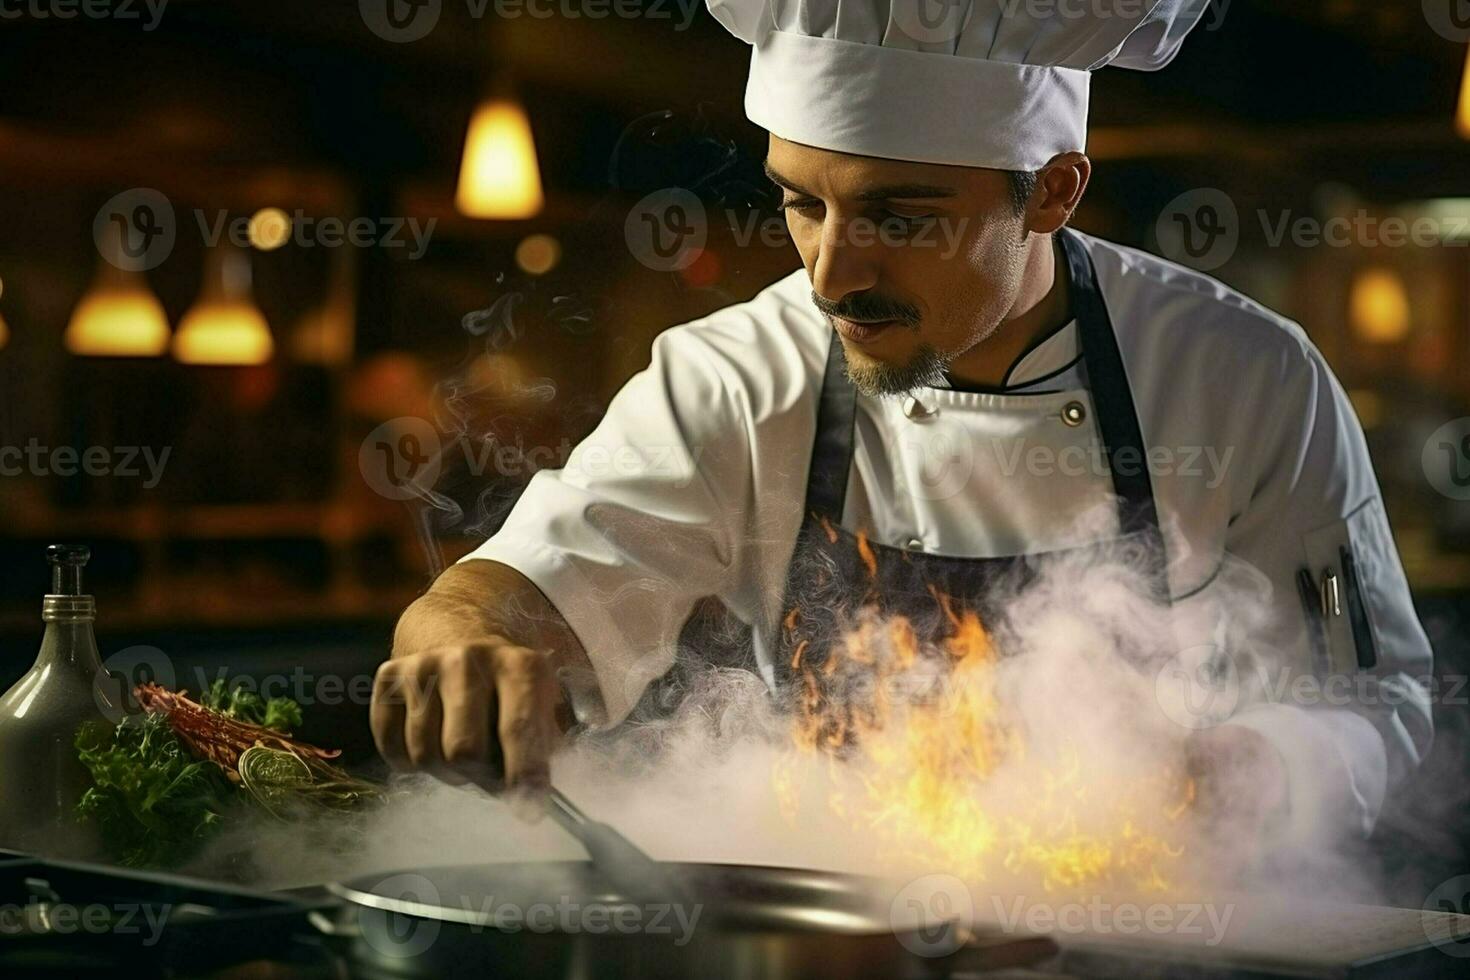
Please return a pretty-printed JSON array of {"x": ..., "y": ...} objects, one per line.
[{"x": 1080, "y": 681}]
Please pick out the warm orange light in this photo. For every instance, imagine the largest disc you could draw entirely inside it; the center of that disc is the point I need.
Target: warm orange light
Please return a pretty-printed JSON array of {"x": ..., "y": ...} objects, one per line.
[
  {"x": 4, "y": 333},
  {"x": 118, "y": 317},
  {"x": 1462, "y": 118},
  {"x": 224, "y": 326},
  {"x": 499, "y": 177},
  {"x": 223, "y": 333},
  {"x": 538, "y": 254},
  {"x": 269, "y": 228},
  {"x": 1378, "y": 307}
]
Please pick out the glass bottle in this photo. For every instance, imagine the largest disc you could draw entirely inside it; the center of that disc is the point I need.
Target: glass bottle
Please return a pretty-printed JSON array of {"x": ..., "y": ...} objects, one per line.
[{"x": 41, "y": 779}]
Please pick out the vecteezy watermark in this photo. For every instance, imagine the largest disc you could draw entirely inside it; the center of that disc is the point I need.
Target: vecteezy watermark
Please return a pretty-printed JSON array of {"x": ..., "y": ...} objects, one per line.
[
  {"x": 667, "y": 229},
  {"x": 1204, "y": 685},
  {"x": 944, "y": 234},
  {"x": 124, "y": 462},
  {"x": 306, "y": 688},
  {"x": 402, "y": 459},
  {"x": 932, "y": 915},
  {"x": 1446, "y": 458},
  {"x": 404, "y": 21},
  {"x": 399, "y": 936},
  {"x": 1450, "y": 19},
  {"x": 306, "y": 231},
  {"x": 148, "y": 12},
  {"x": 1451, "y": 935},
  {"x": 1202, "y": 228},
  {"x": 1194, "y": 462},
  {"x": 1199, "y": 687},
  {"x": 1099, "y": 916},
  {"x": 121, "y": 672},
  {"x": 137, "y": 229},
  {"x": 936, "y": 21},
  {"x": 43, "y": 916},
  {"x": 124, "y": 670}
]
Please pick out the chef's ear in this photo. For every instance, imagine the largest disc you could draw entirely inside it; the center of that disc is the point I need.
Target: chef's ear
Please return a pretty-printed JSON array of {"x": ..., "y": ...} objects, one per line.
[{"x": 1059, "y": 188}]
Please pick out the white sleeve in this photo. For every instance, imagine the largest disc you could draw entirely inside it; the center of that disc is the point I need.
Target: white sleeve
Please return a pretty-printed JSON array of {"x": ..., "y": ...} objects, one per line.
[
  {"x": 658, "y": 507},
  {"x": 1365, "y": 723}
]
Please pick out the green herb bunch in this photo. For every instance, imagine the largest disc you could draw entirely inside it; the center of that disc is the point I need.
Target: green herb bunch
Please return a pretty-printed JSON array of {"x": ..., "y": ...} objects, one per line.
[{"x": 153, "y": 803}]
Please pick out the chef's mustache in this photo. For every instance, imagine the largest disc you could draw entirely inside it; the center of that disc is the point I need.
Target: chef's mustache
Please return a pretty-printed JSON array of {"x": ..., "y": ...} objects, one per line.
[{"x": 867, "y": 307}]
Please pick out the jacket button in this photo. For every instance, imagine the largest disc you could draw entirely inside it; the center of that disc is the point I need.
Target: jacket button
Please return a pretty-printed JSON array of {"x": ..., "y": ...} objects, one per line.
[
  {"x": 1073, "y": 414},
  {"x": 914, "y": 544},
  {"x": 916, "y": 410}
]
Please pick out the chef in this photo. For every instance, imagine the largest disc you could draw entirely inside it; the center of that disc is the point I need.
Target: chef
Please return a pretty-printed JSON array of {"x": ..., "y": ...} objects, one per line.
[{"x": 954, "y": 389}]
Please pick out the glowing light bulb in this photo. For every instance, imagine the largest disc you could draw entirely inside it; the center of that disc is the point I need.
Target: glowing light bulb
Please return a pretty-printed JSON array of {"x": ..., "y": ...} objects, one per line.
[
  {"x": 224, "y": 326},
  {"x": 118, "y": 317},
  {"x": 498, "y": 177}
]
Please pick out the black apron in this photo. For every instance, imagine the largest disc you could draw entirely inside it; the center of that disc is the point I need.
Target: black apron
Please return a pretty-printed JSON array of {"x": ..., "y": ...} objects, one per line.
[{"x": 836, "y": 574}]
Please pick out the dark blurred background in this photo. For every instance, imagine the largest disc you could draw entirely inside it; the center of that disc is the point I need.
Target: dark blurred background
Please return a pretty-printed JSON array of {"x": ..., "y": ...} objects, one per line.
[{"x": 282, "y": 371}]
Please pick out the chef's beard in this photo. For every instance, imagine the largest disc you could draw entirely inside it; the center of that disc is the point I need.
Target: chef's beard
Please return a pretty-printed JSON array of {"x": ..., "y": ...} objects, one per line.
[{"x": 925, "y": 369}]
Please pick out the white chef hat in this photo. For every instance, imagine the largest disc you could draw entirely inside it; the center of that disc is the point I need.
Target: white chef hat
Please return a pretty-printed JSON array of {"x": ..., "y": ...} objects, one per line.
[{"x": 980, "y": 83}]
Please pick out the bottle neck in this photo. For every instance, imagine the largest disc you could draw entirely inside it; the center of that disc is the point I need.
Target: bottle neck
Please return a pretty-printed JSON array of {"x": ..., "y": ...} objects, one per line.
[{"x": 69, "y": 640}]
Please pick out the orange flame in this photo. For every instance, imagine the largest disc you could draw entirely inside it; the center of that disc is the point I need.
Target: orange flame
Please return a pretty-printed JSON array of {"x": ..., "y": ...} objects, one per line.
[{"x": 916, "y": 741}]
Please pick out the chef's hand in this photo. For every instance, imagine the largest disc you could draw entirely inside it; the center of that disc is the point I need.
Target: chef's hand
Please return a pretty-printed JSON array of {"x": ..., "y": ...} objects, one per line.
[
  {"x": 1239, "y": 780},
  {"x": 471, "y": 692}
]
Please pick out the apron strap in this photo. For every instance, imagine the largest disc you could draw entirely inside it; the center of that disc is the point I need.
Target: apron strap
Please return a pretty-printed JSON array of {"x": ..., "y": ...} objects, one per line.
[
  {"x": 826, "y": 484},
  {"x": 1117, "y": 417},
  {"x": 1117, "y": 421}
]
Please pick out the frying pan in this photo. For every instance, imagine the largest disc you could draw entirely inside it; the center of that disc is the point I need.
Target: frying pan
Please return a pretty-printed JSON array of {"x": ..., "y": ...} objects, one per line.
[{"x": 567, "y": 920}]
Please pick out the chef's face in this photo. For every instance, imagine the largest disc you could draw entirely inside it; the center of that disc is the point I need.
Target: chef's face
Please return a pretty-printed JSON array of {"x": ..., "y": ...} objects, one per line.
[{"x": 913, "y": 264}]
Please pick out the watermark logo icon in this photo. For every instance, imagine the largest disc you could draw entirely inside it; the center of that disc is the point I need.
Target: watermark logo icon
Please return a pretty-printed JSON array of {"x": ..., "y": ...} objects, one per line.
[
  {"x": 932, "y": 915},
  {"x": 930, "y": 21},
  {"x": 400, "y": 21},
  {"x": 1446, "y": 459},
  {"x": 135, "y": 230},
  {"x": 1198, "y": 687},
  {"x": 1451, "y": 936},
  {"x": 1450, "y": 19},
  {"x": 125, "y": 670},
  {"x": 667, "y": 229},
  {"x": 395, "y": 935},
  {"x": 400, "y": 457},
  {"x": 945, "y": 454},
  {"x": 1199, "y": 228}
]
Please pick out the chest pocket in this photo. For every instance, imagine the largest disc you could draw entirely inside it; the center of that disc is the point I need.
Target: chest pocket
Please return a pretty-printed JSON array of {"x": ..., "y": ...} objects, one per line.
[{"x": 1347, "y": 561}]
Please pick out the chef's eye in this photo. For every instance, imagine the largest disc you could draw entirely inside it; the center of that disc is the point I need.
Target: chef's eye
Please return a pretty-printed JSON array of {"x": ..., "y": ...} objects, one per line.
[
  {"x": 804, "y": 206},
  {"x": 905, "y": 220}
]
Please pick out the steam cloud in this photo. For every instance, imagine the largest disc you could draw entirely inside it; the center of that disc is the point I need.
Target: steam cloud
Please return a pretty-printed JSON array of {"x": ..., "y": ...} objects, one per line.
[{"x": 720, "y": 781}]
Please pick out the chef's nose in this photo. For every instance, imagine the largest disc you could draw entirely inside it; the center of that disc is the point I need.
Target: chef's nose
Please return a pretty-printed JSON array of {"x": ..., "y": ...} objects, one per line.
[{"x": 843, "y": 266}]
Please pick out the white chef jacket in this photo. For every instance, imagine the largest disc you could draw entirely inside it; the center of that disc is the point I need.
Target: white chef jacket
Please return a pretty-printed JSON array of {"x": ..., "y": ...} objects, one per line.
[{"x": 692, "y": 486}]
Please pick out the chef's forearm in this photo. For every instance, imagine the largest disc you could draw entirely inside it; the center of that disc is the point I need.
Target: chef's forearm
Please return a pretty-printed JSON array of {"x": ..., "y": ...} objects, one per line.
[{"x": 478, "y": 599}]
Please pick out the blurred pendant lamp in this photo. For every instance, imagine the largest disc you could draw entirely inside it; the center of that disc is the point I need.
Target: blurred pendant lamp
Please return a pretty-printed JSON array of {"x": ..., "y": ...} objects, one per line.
[
  {"x": 118, "y": 316},
  {"x": 224, "y": 326},
  {"x": 498, "y": 176},
  {"x": 1378, "y": 306},
  {"x": 1462, "y": 118}
]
